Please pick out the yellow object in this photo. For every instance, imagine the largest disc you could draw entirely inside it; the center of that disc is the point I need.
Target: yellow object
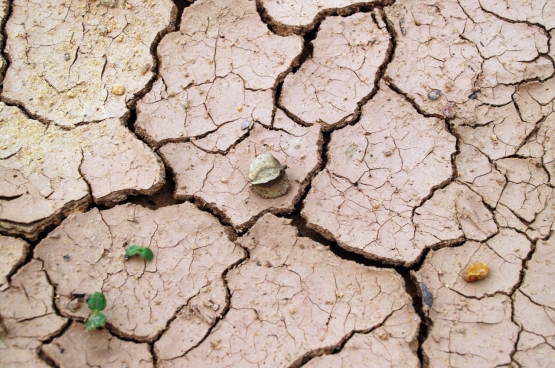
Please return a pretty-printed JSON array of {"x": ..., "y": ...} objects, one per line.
[
  {"x": 476, "y": 271},
  {"x": 118, "y": 90}
]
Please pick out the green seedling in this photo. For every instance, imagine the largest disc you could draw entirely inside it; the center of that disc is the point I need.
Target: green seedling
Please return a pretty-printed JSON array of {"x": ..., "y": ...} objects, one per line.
[
  {"x": 146, "y": 253},
  {"x": 96, "y": 303}
]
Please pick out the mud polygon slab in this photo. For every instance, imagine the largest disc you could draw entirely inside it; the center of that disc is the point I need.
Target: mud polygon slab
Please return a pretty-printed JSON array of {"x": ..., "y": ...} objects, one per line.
[
  {"x": 28, "y": 317},
  {"x": 86, "y": 252},
  {"x": 14, "y": 251},
  {"x": 329, "y": 87},
  {"x": 450, "y": 213},
  {"x": 472, "y": 322},
  {"x": 470, "y": 55},
  {"x": 78, "y": 347},
  {"x": 290, "y": 16},
  {"x": 294, "y": 297},
  {"x": 218, "y": 70},
  {"x": 220, "y": 182},
  {"x": 46, "y": 171},
  {"x": 538, "y": 12},
  {"x": 377, "y": 172},
  {"x": 504, "y": 254},
  {"x": 66, "y": 56},
  {"x": 391, "y": 345}
]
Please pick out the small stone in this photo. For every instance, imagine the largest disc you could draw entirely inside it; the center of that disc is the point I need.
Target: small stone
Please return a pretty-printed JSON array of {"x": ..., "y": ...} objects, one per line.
[
  {"x": 74, "y": 304},
  {"x": 494, "y": 137},
  {"x": 273, "y": 189},
  {"x": 387, "y": 153},
  {"x": 239, "y": 108},
  {"x": 376, "y": 206},
  {"x": 264, "y": 168},
  {"x": 402, "y": 26},
  {"x": 476, "y": 271},
  {"x": 427, "y": 297},
  {"x": 474, "y": 95},
  {"x": 108, "y": 3},
  {"x": 66, "y": 56},
  {"x": 246, "y": 124},
  {"x": 118, "y": 90},
  {"x": 382, "y": 335},
  {"x": 449, "y": 110},
  {"x": 71, "y": 94},
  {"x": 434, "y": 94}
]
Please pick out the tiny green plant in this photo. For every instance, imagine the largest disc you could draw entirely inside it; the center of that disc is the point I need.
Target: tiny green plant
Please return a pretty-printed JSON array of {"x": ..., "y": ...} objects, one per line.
[
  {"x": 146, "y": 253},
  {"x": 96, "y": 303}
]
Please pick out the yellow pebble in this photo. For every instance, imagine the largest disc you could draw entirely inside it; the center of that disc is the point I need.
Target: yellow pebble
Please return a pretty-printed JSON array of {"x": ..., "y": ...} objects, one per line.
[
  {"x": 476, "y": 271},
  {"x": 118, "y": 90},
  {"x": 376, "y": 206},
  {"x": 239, "y": 108}
]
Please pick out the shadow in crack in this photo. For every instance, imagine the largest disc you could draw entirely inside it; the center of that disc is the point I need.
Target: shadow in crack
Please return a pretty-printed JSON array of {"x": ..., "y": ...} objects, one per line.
[{"x": 181, "y": 5}]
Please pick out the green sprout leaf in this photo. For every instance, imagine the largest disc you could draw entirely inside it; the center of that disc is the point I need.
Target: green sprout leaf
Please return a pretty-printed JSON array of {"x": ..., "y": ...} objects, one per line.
[
  {"x": 95, "y": 321},
  {"x": 132, "y": 250},
  {"x": 146, "y": 253},
  {"x": 97, "y": 302}
]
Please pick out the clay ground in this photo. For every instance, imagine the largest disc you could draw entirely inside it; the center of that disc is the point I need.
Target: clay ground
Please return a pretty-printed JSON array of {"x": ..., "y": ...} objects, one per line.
[{"x": 418, "y": 138}]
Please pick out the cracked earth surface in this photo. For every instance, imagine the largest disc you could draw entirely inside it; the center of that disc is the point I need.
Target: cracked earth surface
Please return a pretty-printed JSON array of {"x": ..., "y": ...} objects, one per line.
[{"x": 418, "y": 140}]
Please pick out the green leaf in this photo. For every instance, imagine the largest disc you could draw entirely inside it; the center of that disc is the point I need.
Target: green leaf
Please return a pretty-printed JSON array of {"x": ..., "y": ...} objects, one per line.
[
  {"x": 147, "y": 254},
  {"x": 132, "y": 250},
  {"x": 95, "y": 321},
  {"x": 97, "y": 302}
]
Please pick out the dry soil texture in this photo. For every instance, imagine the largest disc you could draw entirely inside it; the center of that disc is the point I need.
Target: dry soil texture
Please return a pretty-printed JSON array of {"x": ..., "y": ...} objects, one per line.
[{"x": 417, "y": 137}]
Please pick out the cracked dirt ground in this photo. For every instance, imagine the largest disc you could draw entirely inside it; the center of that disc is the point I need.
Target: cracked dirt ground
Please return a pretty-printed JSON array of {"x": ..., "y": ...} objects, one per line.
[{"x": 418, "y": 138}]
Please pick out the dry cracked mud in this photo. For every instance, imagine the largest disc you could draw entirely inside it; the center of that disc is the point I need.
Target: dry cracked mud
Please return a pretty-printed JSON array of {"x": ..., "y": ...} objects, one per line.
[
  {"x": 418, "y": 140},
  {"x": 293, "y": 299}
]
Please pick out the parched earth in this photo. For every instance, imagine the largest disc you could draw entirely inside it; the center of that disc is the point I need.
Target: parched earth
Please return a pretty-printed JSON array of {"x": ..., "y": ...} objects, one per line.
[{"x": 418, "y": 139}]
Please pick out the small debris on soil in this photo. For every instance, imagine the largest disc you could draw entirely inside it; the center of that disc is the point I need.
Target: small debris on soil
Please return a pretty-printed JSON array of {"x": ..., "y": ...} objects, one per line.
[
  {"x": 476, "y": 271},
  {"x": 427, "y": 297},
  {"x": 434, "y": 94},
  {"x": 264, "y": 168},
  {"x": 449, "y": 110},
  {"x": 118, "y": 90},
  {"x": 474, "y": 95},
  {"x": 247, "y": 124}
]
